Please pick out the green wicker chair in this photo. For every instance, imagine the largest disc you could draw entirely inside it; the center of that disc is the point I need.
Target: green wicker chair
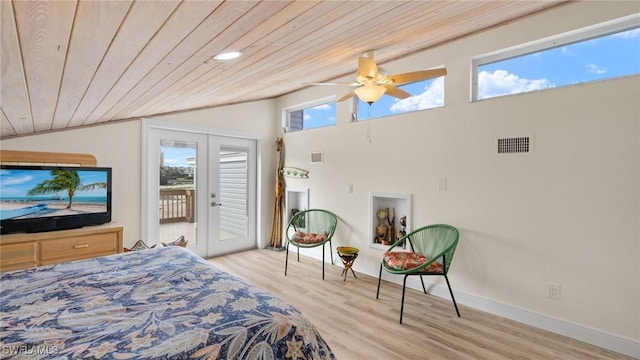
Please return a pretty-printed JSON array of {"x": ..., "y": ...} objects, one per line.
[
  {"x": 310, "y": 228},
  {"x": 432, "y": 249}
]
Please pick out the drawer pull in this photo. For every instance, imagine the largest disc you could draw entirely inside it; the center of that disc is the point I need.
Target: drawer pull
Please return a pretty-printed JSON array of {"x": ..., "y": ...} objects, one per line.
[{"x": 81, "y": 246}]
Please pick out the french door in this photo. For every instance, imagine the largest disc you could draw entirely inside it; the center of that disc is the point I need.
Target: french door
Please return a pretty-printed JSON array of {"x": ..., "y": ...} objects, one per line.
[
  {"x": 202, "y": 187},
  {"x": 232, "y": 195}
]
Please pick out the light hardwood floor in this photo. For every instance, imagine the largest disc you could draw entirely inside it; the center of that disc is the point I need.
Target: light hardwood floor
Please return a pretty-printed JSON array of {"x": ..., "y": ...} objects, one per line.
[{"x": 357, "y": 326}]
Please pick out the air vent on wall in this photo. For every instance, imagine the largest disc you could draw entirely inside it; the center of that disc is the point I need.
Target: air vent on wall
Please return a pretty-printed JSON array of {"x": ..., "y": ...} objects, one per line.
[
  {"x": 514, "y": 145},
  {"x": 317, "y": 157}
]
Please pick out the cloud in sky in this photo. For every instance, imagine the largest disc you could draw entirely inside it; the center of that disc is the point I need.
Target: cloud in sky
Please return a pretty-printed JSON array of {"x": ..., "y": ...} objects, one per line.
[
  {"x": 595, "y": 69},
  {"x": 306, "y": 116},
  {"x": 501, "y": 82},
  {"x": 433, "y": 96},
  {"x": 565, "y": 50},
  {"x": 15, "y": 180}
]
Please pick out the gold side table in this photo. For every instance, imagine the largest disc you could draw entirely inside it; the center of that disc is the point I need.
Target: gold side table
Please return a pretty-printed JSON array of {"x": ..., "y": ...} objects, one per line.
[{"x": 348, "y": 255}]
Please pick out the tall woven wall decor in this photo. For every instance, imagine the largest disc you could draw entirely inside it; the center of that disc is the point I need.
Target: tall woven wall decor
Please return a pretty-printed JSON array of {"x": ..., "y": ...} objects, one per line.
[{"x": 275, "y": 241}]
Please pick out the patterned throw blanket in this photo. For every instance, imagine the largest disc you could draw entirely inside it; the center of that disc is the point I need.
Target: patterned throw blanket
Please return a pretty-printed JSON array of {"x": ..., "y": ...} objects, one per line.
[{"x": 164, "y": 303}]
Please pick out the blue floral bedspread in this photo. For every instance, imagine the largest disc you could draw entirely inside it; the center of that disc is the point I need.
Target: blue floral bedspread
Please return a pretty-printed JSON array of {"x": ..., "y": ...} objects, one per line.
[{"x": 162, "y": 303}]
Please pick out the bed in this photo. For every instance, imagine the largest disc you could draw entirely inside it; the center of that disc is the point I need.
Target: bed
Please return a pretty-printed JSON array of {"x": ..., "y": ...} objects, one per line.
[{"x": 157, "y": 303}]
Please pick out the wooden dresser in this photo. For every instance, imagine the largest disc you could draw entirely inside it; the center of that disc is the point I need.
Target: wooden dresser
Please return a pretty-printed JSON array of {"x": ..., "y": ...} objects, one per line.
[{"x": 21, "y": 251}]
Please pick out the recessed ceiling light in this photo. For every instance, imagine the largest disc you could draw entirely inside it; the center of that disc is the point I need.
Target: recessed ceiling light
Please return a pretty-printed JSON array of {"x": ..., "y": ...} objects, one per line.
[{"x": 228, "y": 55}]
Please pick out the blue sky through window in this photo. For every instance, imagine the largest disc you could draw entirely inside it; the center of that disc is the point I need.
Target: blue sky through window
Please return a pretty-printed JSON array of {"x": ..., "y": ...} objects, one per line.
[
  {"x": 427, "y": 94},
  {"x": 319, "y": 116},
  {"x": 600, "y": 58},
  {"x": 604, "y": 57},
  {"x": 178, "y": 156}
]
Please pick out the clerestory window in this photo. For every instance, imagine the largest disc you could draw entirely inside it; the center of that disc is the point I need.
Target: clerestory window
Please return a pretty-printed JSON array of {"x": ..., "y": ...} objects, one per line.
[
  {"x": 315, "y": 114},
  {"x": 599, "y": 52},
  {"x": 426, "y": 94}
]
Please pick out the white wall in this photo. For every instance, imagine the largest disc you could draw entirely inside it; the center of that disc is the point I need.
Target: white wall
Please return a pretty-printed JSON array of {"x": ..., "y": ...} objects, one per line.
[
  {"x": 567, "y": 214},
  {"x": 119, "y": 145}
]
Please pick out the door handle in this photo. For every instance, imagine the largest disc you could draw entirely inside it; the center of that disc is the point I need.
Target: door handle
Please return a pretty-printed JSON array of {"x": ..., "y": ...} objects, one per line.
[{"x": 213, "y": 204}]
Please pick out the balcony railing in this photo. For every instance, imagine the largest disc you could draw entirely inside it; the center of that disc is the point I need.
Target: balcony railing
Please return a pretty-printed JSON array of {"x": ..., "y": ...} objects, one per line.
[{"x": 176, "y": 205}]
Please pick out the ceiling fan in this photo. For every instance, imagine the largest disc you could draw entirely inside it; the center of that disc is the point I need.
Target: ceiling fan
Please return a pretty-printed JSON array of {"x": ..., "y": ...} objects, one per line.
[{"x": 372, "y": 81}]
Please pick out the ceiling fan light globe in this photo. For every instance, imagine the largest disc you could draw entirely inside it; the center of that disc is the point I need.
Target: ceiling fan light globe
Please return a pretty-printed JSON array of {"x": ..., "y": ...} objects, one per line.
[{"x": 370, "y": 93}]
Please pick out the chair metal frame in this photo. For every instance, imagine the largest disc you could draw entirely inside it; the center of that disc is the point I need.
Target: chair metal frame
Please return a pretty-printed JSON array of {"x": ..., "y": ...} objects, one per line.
[
  {"x": 446, "y": 255},
  {"x": 304, "y": 216}
]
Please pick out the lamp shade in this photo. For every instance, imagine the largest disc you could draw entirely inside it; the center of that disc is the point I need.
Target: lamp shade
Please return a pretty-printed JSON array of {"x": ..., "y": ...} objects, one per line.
[{"x": 370, "y": 93}]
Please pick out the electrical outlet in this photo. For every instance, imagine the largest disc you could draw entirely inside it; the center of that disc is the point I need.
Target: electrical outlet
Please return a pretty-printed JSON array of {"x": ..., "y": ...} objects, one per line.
[{"x": 553, "y": 291}]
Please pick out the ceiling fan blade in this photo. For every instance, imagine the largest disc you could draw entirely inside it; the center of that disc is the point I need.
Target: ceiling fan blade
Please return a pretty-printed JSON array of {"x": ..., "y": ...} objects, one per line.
[
  {"x": 367, "y": 68},
  {"x": 332, "y": 83},
  {"x": 346, "y": 97},
  {"x": 410, "y": 77},
  {"x": 396, "y": 92}
]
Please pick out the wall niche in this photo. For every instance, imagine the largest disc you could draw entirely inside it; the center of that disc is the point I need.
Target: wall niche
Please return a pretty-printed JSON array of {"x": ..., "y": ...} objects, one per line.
[
  {"x": 385, "y": 222},
  {"x": 296, "y": 199}
]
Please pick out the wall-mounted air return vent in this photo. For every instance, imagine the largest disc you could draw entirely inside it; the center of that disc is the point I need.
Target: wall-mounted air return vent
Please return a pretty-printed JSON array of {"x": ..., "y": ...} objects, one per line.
[
  {"x": 514, "y": 145},
  {"x": 317, "y": 157}
]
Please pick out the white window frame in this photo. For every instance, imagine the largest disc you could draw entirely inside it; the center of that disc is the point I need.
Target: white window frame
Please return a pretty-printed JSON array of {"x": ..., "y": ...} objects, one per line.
[
  {"x": 286, "y": 112},
  {"x": 582, "y": 34}
]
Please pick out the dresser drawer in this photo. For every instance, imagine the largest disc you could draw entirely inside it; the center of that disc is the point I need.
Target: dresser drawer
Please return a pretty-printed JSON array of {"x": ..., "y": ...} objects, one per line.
[
  {"x": 18, "y": 256},
  {"x": 78, "y": 247},
  {"x": 25, "y": 250}
]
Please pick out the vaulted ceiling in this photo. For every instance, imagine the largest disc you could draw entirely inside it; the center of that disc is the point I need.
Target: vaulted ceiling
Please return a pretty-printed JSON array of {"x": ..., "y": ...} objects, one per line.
[{"x": 68, "y": 63}]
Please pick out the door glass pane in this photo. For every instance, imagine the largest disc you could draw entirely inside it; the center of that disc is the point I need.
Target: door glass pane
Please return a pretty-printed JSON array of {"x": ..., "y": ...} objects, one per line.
[
  {"x": 233, "y": 193},
  {"x": 177, "y": 200}
]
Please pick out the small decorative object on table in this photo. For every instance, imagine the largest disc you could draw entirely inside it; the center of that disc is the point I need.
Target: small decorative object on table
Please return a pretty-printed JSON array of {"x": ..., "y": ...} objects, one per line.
[{"x": 348, "y": 255}]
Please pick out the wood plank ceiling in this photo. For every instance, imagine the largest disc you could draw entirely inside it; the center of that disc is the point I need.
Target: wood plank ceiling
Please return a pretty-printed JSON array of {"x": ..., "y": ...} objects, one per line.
[{"x": 68, "y": 63}]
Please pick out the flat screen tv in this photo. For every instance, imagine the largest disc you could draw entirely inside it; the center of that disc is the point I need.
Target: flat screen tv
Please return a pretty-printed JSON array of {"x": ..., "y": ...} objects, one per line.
[{"x": 48, "y": 198}]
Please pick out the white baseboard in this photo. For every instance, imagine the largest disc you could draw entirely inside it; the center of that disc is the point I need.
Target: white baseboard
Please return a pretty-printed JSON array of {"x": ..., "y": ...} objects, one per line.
[{"x": 617, "y": 343}]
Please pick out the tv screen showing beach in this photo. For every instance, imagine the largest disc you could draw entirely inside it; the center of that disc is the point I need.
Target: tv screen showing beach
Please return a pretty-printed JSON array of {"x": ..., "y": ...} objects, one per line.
[{"x": 35, "y": 193}]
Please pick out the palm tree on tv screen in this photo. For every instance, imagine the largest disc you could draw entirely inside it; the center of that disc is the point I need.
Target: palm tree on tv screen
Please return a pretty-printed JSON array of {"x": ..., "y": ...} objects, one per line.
[{"x": 64, "y": 180}]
